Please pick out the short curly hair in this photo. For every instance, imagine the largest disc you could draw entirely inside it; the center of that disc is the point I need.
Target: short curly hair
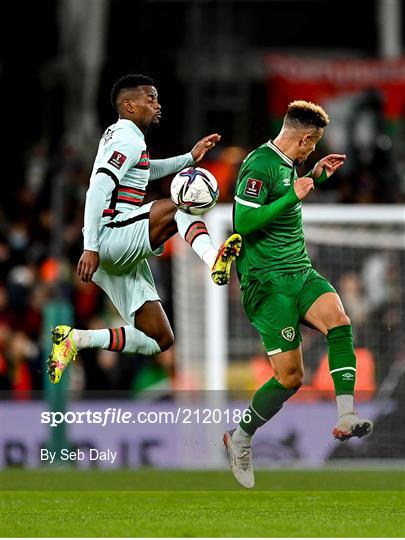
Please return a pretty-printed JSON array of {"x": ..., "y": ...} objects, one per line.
[
  {"x": 131, "y": 80},
  {"x": 306, "y": 114}
]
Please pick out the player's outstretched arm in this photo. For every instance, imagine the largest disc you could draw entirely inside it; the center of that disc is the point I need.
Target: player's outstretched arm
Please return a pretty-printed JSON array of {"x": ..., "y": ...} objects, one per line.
[
  {"x": 249, "y": 219},
  {"x": 159, "y": 168},
  {"x": 326, "y": 167}
]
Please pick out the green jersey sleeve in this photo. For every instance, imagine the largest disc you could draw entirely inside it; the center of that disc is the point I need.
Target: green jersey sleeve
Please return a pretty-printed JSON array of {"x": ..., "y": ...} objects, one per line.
[
  {"x": 249, "y": 220},
  {"x": 253, "y": 188},
  {"x": 252, "y": 208},
  {"x": 319, "y": 180}
]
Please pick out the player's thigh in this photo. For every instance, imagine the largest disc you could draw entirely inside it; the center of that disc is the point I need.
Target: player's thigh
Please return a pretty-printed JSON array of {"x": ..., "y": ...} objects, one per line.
[
  {"x": 327, "y": 312},
  {"x": 273, "y": 312},
  {"x": 124, "y": 242},
  {"x": 288, "y": 367},
  {"x": 161, "y": 222},
  {"x": 151, "y": 319},
  {"x": 320, "y": 305},
  {"x": 128, "y": 291}
]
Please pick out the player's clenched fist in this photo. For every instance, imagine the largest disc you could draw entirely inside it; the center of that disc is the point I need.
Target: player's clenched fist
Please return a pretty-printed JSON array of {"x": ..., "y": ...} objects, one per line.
[
  {"x": 88, "y": 264},
  {"x": 302, "y": 186}
]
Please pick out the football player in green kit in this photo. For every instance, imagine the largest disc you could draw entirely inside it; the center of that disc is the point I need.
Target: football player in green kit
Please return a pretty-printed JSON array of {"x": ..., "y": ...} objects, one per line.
[{"x": 279, "y": 287}]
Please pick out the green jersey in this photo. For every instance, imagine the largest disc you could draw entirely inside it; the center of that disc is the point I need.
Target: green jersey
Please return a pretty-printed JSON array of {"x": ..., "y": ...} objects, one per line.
[{"x": 266, "y": 176}]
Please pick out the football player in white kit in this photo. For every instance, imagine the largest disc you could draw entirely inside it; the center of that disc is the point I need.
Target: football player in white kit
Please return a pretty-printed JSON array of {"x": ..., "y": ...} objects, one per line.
[{"x": 120, "y": 232}]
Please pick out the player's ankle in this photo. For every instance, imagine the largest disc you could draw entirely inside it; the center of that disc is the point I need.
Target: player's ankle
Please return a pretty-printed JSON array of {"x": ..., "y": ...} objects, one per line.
[
  {"x": 241, "y": 438},
  {"x": 345, "y": 404},
  {"x": 81, "y": 338},
  {"x": 209, "y": 257}
]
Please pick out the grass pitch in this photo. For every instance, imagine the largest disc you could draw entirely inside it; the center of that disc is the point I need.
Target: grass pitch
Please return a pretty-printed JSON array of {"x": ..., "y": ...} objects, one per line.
[{"x": 205, "y": 504}]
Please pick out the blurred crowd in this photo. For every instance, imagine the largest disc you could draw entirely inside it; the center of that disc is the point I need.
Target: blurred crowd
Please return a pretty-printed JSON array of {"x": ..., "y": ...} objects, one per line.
[{"x": 32, "y": 275}]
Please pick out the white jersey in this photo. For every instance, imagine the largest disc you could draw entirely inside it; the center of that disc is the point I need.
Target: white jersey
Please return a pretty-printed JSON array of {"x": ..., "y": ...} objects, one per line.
[
  {"x": 123, "y": 155},
  {"x": 121, "y": 173}
]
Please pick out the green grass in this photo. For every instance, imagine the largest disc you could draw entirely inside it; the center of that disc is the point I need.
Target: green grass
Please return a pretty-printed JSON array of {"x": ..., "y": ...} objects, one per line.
[{"x": 284, "y": 503}]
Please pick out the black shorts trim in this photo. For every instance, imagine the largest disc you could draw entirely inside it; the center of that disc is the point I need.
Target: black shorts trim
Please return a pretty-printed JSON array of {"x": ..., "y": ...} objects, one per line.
[{"x": 125, "y": 222}]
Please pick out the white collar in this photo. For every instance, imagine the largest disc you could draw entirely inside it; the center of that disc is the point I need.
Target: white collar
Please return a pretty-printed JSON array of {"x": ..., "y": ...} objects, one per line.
[
  {"x": 271, "y": 145},
  {"x": 132, "y": 125}
]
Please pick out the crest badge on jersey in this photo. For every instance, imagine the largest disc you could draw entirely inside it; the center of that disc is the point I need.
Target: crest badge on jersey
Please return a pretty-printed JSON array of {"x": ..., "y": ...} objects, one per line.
[
  {"x": 288, "y": 333},
  {"x": 253, "y": 187},
  {"x": 117, "y": 160}
]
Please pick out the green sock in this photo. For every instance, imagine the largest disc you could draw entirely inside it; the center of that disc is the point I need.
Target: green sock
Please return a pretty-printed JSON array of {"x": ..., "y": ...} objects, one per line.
[
  {"x": 266, "y": 402},
  {"x": 342, "y": 360}
]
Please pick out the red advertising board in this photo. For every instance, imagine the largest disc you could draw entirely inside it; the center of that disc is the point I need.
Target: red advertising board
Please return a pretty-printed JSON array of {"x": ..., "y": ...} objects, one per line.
[{"x": 321, "y": 80}]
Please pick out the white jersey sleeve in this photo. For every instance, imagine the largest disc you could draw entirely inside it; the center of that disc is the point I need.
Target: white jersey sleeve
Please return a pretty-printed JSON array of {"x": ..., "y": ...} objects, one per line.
[
  {"x": 159, "y": 168},
  {"x": 119, "y": 150},
  {"x": 100, "y": 188}
]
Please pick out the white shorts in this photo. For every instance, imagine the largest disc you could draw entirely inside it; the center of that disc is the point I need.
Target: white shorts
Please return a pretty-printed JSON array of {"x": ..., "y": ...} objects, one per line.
[{"x": 124, "y": 273}]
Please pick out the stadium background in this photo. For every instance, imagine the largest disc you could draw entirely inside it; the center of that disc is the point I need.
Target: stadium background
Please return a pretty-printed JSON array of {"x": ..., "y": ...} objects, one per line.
[{"x": 228, "y": 67}]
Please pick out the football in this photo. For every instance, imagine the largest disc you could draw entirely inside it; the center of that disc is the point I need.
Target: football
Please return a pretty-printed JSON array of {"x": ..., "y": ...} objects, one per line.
[{"x": 194, "y": 190}]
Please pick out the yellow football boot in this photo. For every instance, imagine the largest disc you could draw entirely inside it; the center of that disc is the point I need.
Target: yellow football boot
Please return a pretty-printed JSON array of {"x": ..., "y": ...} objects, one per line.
[
  {"x": 64, "y": 350},
  {"x": 229, "y": 250}
]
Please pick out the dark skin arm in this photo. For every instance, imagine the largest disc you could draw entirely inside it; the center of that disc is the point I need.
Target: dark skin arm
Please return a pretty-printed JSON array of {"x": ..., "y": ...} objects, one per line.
[
  {"x": 89, "y": 261},
  {"x": 88, "y": 264}
]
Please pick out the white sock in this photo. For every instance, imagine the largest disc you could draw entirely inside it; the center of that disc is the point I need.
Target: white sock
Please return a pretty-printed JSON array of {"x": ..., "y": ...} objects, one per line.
[
  {"x": 193, "y": 230},
  {"x": 91, "y": 339},
  {"x": 241, "y": 438},
  {"x": 345, "y": 404},
  {"x": 209, "y": 256},
  {"x": 125, "y": 339}
]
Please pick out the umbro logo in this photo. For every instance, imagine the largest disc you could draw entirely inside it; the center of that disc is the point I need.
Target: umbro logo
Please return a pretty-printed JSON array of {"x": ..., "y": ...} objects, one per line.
[
  {"x": 287, "y": 182},
  {"x": 348, "y": 376}
]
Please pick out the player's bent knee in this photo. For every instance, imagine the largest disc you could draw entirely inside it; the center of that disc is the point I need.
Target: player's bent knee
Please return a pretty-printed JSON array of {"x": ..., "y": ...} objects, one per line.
[
  {"x": 292, "y": 380},
  {"x": 165, "y": 341},
  {"x": 341, "y": 319},
  {"x": 163, "y": 209}
]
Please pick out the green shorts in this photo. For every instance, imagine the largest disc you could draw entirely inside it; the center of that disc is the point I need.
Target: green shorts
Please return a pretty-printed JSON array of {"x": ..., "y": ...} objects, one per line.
[{"x": 277, "y": 305}]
